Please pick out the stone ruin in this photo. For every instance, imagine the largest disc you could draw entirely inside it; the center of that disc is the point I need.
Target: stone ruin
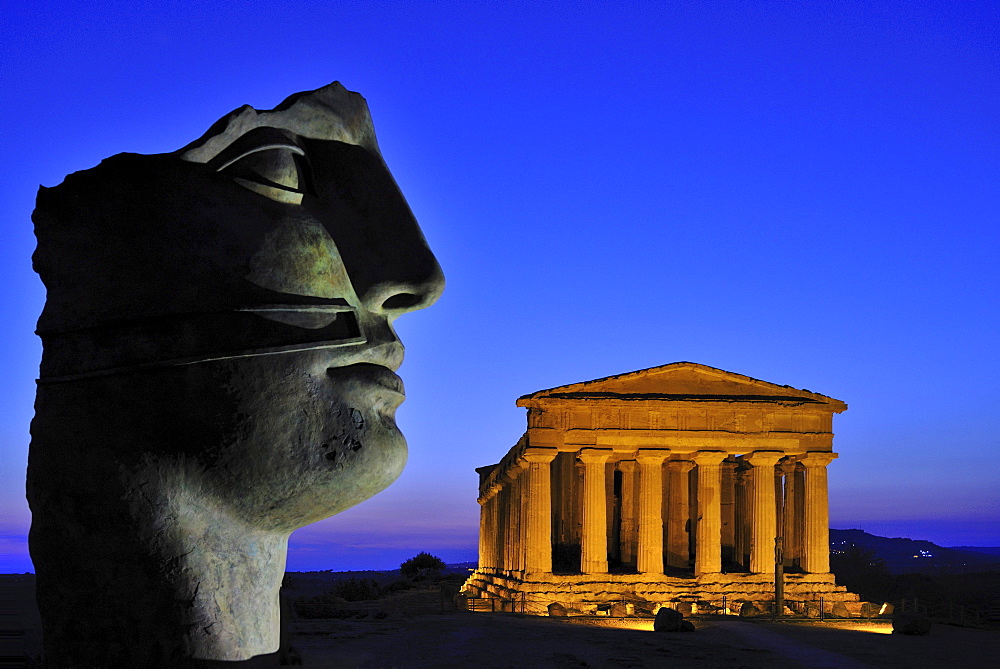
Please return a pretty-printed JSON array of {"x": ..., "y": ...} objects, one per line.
[{"x": 665, "y": 487}]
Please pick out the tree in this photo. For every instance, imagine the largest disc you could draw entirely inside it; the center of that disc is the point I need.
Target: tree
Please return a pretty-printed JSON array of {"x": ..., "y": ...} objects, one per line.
[
  {"x": 422, "y": 566},
  {"x": 862, "y": 572}
]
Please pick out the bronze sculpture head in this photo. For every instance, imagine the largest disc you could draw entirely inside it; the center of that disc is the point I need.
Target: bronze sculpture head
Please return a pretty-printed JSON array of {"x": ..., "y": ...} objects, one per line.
[{"x": 218, "y": 370}]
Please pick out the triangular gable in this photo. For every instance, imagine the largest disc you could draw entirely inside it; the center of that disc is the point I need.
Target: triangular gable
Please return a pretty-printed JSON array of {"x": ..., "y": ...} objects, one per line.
[{"x": 678, "y": 379}]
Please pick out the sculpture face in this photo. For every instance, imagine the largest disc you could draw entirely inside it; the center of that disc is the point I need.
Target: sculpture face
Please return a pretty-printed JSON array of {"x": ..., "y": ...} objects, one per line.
[{"x": 233, "y": 303}]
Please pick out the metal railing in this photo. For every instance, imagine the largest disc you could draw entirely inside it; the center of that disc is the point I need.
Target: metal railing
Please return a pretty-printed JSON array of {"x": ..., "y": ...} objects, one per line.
[{"x": 943, "y": 612}]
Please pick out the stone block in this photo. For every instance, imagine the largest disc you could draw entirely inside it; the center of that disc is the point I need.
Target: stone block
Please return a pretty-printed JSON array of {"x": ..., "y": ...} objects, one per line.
[
  {"x": 668, "y": 620},
  {"x": 840, "y": 610},
  {"x": 557, "y": 610}
]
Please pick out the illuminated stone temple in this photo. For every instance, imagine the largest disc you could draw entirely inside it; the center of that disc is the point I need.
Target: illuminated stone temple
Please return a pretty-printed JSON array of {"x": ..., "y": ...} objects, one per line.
[{"x": 661, "y": 486}]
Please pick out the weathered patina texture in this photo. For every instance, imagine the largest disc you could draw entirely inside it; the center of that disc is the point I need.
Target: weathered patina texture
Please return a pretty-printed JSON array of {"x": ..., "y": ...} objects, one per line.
[{"x": 218, "y": 370}]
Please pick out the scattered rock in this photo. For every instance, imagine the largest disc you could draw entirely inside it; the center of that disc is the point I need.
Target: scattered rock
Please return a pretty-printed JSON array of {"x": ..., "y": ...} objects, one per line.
[
  {"x": 686, "y": 626},
  {"x": 840, "y": 610},
  {"x": 748, "y": 610},
  {"x": 557, "y": 609},
  {"x": 620, "y": 610},
  {"x": 668, "y": 620},
  {"x": 871, "y": 609},
  {"x": 910, "y": 623}
]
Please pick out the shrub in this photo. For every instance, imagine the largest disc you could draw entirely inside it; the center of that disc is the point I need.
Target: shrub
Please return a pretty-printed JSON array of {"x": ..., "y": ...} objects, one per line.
[
  {"x": 357, "y": 589},
  {"x": 422, "y": 566}
]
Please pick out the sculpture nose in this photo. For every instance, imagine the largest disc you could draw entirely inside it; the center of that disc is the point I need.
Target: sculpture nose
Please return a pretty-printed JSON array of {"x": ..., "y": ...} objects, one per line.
[{"x": 413, "y": 281}]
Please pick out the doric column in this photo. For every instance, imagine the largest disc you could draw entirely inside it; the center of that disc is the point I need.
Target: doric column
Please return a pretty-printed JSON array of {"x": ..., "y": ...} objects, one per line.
[
  {"x": 816, "y": 532},
  {"x": 741, "y": 535},
  {"x": 790, "y": 515},
  {"x": 538, "y": 503},
  {"x": 649, "y": 559},
  {"x": 678, "y": 513},
  {"x": 492, "y": 528},
  {"x": 708, "y": 551},
  {"x": 728, "y": 511},
  {"x": 594, "y": 543},
  {"x": 484, "y": 531},
  {"x": 764, "y": 527},
  {"x": 503, "y": 526},
  {"x": 779, "y": 499},
  {"x": 518, "y": 510},
  {"x": 630, "y": 520}
]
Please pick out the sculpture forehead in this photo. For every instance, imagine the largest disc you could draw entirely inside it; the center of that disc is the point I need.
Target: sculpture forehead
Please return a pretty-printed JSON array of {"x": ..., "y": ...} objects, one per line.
[{"x": 330, "y": 113}]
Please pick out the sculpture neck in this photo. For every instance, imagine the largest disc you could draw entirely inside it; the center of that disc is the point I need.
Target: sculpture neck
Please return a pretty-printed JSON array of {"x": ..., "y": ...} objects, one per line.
[
  {"x": 148, "y": 571},
  {"x": 231, "y": 576}
]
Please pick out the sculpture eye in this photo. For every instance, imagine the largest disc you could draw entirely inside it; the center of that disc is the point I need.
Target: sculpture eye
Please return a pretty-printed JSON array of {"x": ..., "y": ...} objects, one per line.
[{"x": 276, "y": 171}]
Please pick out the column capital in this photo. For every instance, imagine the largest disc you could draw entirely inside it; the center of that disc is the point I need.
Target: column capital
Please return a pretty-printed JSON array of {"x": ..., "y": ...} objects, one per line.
[
  {"x": 817, "y": 459},
  {"x": 651, "y": 456},
  {"x": 596, "y": 456},
  {"x": 680, "y": 466},
  {"x": 513, "y": 469},
  {"x": 789, "y": 466},
  {"x": 763, "y": 458},
  {"x": 709, "y": 457},
  {"x": 542, "y": 455}
]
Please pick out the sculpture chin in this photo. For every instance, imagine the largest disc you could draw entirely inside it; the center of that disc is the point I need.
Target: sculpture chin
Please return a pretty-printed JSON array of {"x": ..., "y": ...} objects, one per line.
[{"x": 297, "y": 441}]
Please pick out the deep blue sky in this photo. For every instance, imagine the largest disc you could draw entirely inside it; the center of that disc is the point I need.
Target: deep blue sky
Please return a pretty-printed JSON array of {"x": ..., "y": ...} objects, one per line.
[{"x": 805, "y": 193}]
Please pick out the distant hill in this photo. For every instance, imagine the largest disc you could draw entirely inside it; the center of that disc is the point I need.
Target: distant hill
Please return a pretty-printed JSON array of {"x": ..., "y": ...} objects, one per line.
[
  {"x": 990, "y": 550},
  {"x": 914, "y": 555}
]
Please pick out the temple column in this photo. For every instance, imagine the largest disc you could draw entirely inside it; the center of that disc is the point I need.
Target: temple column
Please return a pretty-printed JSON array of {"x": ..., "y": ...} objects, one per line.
[
  {"x": 649, "y": 559},
  {"x": 594, "y": 543},
  {"x": 510, "y": 516},
  {"x": 538, "y": 509},
  {"x": 497, "y": 530},
  {"x": 500, "y": 511},
  {"x": 764, "y": 520},
  {"x": 630, "y": 520},
  {"x": 508, "y": 525},
  {"x": 678, "y": 514},
  {"x": 518, "y": 502},
  {"x": 816, "y": 531},
  {"x": 800, "y": 511},
  {"x": 728, "y": 511},
  {"x": 790, "y": 516},
  {"x": 484, "y": 531},
  {"x": 708, "y": 551},
  {"x": 741, "y": 535},
  {"x": 492, "y": 542}
]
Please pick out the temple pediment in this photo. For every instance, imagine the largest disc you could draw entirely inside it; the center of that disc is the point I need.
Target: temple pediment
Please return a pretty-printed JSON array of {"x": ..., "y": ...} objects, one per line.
[{"x": 682, "y": 381}]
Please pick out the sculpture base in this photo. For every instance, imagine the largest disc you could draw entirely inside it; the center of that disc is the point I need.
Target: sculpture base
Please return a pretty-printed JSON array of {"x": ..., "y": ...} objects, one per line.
[{"x": 595, "y": 594}]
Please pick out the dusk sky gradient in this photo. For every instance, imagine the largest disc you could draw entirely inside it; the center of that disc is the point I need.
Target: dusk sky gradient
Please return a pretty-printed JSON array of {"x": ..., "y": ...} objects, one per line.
[{"x": 801, "y": 192}]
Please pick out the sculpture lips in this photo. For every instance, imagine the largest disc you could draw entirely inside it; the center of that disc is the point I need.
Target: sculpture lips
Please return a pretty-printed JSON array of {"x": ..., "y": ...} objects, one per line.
[{"x": 370, "y": 374}]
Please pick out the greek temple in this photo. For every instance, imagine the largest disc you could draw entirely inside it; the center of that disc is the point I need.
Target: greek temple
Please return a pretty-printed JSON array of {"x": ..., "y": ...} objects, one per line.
[{"x": 678, "y": 483}]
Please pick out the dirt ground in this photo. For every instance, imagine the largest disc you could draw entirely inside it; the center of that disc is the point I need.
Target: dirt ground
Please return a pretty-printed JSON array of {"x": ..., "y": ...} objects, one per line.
[
  {"x": 416, "y": 633},
  {"x": 417, "y": 628}
]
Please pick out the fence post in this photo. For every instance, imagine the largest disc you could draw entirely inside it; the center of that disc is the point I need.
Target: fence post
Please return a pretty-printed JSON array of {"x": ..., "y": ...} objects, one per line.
[{"x": 822, "y": 609}]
